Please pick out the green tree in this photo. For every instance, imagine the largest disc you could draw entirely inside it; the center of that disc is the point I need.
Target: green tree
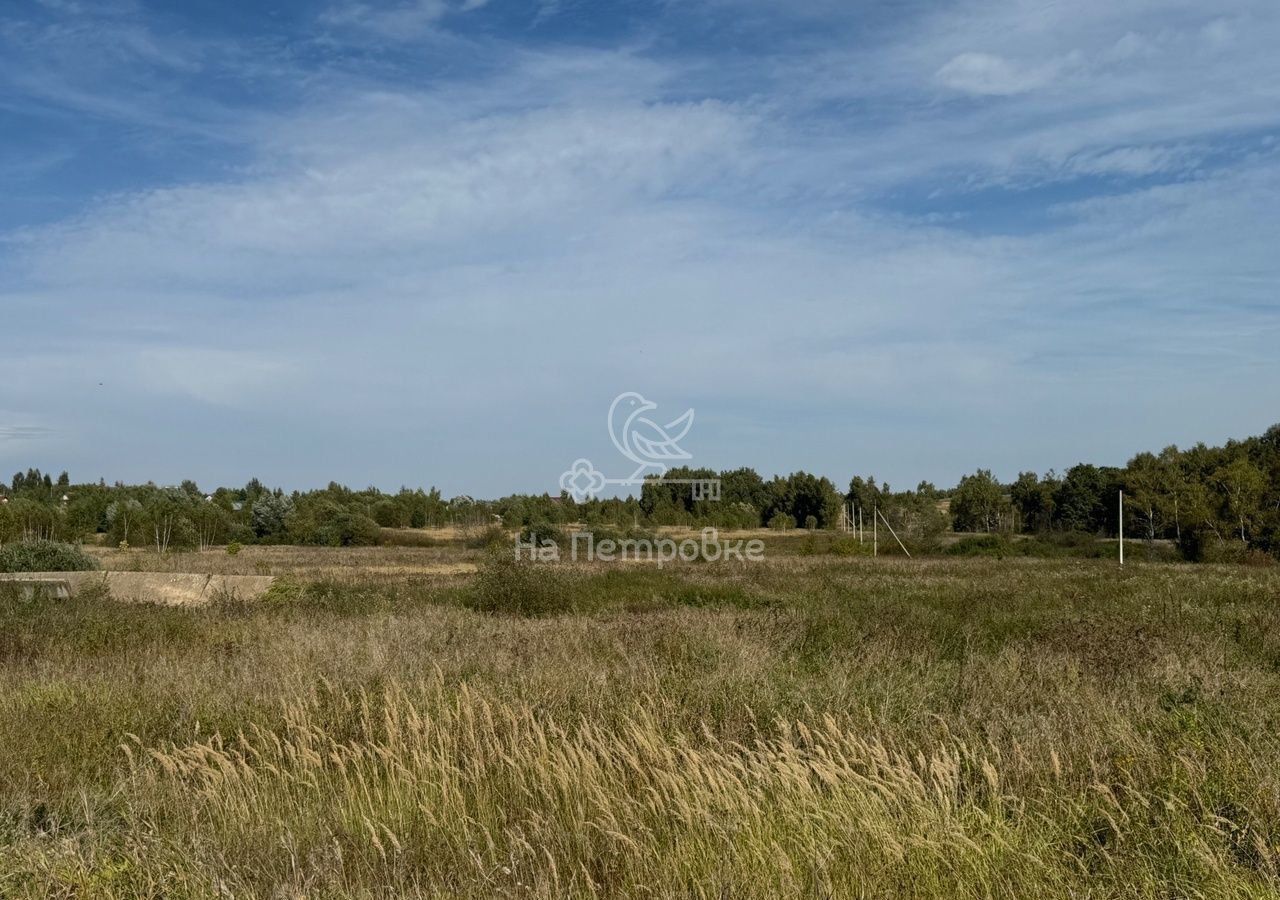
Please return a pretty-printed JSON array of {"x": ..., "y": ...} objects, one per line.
[
  {"x": 270, "y": 514},
  {"x": 1242, "y": 487},
  {"x": 1080, "y": 501},
  {"x": 1145, "y": 484},
  {"x": 1032, "y": 500},
  {"x": 977, "y": 503}
]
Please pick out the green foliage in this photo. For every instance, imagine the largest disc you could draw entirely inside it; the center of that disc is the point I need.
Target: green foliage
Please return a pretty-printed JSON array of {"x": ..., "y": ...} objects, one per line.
[
  {"x": 389, "y": 514},
  {"x": 997, "y": 546},
  {"x": 538, "y": 532},
  {"x": 1194, "y": 498},
  {"x": 285, "y": 590},
  {"x": 505, "y": 584},
  {"x": 1032, "y": 501},
  {"x": 848, "y": 546},
  {"x": 44, "y": 556},
  {"x": 270, "y": 515},
  {"x": 349, "y": 529},
  {"x": 978, "y": 503},
  {"x": 1070, "y": 544},
  {"x": 781, "y": 521},
  {"x": 233, "y": 548},
  {"x": 1084, "y": 500}
]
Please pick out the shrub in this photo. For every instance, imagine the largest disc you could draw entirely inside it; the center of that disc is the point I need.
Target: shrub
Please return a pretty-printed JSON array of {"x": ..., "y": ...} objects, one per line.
[
  {"x": 348, "y": 529},
  {"x": 996, "y": 545},
  {"x": 847, "y": 546},
  {"x": 239, "y": 533},
  {"x": 398, "y": 537},
  {"x": 45, "y": 556},
  {"x": 491, "y": 538},
  {"x": 284, "y": 591},
  {"x": 811, "y": 523},
  {"x": 505, "y": 584},
  {"x": 233, "y": 548},
  {"x": 1209, "y": 548},
  {"x": 541, "y": 530},
  {"x": 782, "y": 522}
]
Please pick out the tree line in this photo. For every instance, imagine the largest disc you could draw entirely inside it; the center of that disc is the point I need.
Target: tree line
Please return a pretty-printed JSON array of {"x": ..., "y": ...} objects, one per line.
[{"x": 1212, "y": 502}]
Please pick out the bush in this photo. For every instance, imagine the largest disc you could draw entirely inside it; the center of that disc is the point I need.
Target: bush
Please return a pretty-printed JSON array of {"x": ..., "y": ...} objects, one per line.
[
  {"x": 782, "y": 522},
  {"x": 493, "y": 537},
  {"x": 239, "y": 533},
  {"x": 811, "y": 523},
  {"x": 348, "y": 529},
  {"x": 541, "y": 530},
  {"x": 996, "y": 545},
  {"x": 1209, "y": 548},
  {"x": 45, "y": 556},
  {"x": 522, "y": 587},
  {"x": 848, "y": 546},
  {"x": 284, "y": 591}
]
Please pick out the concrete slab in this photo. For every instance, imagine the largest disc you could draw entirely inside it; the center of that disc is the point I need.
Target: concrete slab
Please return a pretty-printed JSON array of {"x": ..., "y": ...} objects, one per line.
[
  {"x": 167, "y": 588},
  {"x": 30, "y": 586}
]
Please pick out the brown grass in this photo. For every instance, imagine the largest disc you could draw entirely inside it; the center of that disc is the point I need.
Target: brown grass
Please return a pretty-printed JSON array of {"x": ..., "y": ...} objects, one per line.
[{"x": 810, "y": 727}]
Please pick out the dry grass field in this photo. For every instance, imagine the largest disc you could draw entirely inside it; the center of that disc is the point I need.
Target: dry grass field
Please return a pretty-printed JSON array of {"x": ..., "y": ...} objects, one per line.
[{"x": 435, "y": 722}]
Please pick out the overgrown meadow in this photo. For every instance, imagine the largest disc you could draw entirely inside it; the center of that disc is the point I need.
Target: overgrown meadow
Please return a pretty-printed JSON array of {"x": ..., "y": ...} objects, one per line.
[{"x": 812, "y": 726}]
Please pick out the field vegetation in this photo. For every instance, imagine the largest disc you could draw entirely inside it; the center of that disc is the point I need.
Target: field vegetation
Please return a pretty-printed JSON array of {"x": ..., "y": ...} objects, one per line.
[{"x": 814, "y": 725}]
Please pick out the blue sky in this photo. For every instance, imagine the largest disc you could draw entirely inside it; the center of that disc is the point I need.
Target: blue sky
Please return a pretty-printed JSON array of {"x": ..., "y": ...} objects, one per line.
[{"x": 427, "y": 242}]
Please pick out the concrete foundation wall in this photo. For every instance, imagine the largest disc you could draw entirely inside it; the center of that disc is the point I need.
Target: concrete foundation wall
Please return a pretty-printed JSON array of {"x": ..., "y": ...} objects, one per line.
[{"x": 170, "y": 589}]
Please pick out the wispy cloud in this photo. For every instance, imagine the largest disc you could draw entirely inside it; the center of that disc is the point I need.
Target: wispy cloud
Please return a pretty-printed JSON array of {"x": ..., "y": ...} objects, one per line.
[
  {"x": 985, "y": 74},
  {"x": 398, "y": 21},
  {"x": 23, "y": 433},
  {"x": 972, "y": 221}
]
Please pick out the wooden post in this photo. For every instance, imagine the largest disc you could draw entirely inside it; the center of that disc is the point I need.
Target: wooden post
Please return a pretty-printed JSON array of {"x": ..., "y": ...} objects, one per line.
[{"x": 875, "y": 530}]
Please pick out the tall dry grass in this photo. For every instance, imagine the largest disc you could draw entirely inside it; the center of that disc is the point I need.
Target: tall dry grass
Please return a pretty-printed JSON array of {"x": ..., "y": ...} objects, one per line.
[
  {"x": 820, "y": 729},
  {"x": 448, "y": 793}
]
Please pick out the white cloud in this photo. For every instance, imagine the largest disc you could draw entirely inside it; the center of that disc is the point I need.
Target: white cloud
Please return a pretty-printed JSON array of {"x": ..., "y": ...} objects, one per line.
[
  {"x": 481, "y": 264},
  {"x": 396, "y": 21},
  {"x": 983, "y": 73}
]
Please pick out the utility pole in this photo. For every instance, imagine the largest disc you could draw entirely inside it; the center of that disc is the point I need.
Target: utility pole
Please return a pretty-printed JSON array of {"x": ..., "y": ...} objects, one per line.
[
  {"x": 1122, "y": 528},
  {"x": 875, "y": 530},
  {"x": 895, "y": 535}
]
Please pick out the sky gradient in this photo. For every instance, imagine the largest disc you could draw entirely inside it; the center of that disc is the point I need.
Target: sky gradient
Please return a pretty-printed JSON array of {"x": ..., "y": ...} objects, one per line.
[{"x": 427, "y": 242}]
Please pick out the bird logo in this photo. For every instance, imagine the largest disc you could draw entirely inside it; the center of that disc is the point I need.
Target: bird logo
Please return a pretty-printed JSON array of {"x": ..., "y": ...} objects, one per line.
[{"x": 641, "y": 439}]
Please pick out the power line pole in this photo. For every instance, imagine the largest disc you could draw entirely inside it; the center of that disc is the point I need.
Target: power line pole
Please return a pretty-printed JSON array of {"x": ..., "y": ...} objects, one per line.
[{"x": 1122, "y": 528}]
